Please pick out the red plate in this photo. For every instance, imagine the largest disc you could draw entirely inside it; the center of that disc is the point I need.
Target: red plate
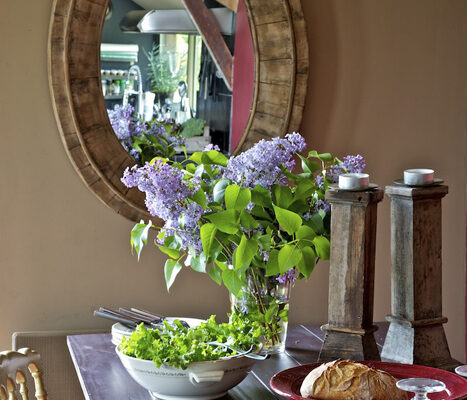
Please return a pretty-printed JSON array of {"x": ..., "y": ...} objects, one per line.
[{"x": 287, "y": 383}]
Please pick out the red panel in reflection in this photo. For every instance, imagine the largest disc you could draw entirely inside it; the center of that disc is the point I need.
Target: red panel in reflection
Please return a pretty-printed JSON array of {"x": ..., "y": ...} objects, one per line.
[{"x": 243, "y": 76}]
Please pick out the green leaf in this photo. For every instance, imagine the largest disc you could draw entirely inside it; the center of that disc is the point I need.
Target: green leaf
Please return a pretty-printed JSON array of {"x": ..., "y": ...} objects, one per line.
[
  {"x": 200, "y": 198},
  {"x": 226, "y": 221},
  {"x": 322, "y": 156},
  {"x": 232, "y": 282},
  {"x": 261, "y": 196},
  {"x": 325, "y": 157},
  {"x": 247, "y": 221},
  {"x": 272, "y": 265},
  {"x": 289, "y": 256},
  {"x": 288, "y": 220},
  {"x": 271, "y": 312},
  {"x": 316, "y": 223},
  {"x": 214, "y": 157},
  {"x": 237, "y": 198},
  {"x": 322, "y": 246},
  {"x": 198, "y": 263},
  {"x": 265, "y": 242},
  {"x": 304, "y": 190},
  {"x": 208, "y": 235},
  {"x": 197, "y": 157},
  {"x": 170, "y": 252},
  {"x": 219, "y": 190},
  {"x": 223, "y": 266},
  {"x": 260, "y": 212},
  {"x": 306, "y": 263},
  {"x": 313, "y": 154},
  {"x": 308, "y": 165},
  {"x": 192, "y": 127},
  {"x": 299, "y": 206},
  {"x": 171, "y": 270},
  {"x": 216, "y": 274},
  {"x": 190, "y": 167},
  {"x": 245, "y": 252},
  {"x": 139, "y": 236},
  {"x": 305, "y": 232},
  {"x": 282, "y": 195}
]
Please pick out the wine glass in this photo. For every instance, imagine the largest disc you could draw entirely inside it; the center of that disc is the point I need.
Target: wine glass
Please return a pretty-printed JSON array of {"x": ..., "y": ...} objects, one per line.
[
  {"x": 462, "y": 370},
  {"x": 421, "y": 386}
]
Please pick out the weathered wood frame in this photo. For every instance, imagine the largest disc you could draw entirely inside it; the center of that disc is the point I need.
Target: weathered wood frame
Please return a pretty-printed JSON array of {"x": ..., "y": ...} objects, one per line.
[{"x": 281, "y": 73}]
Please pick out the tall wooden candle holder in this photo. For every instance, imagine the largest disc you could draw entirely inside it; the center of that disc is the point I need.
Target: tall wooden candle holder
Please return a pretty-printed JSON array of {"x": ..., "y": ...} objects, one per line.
[
  {"x": 416, "y": 334},
  {"x": 350, "y": 329}
]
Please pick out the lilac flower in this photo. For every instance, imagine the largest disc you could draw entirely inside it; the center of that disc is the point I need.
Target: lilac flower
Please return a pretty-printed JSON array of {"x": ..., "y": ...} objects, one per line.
[
  {"x": 320, "y": 181},
  {"x": 322, "y": 205},
  {"x": 176, "y": 141},
  {"x": 167, "y": 189},
  {"x": 261, "y": 164},
  {"x": 354, "y": 164},
  {"x": 265, "y": 254},
  {"x": 211, "y": 146},
  {"x": 288, "y": 277},
  {"x": 122, "y": 121}
]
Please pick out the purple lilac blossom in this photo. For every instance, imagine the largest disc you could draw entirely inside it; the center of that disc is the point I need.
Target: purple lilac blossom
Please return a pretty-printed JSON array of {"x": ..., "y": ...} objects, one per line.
[
  {"x": 288, "y": 277},
  {"x": 212, "y": 146},
  {"x": 166, "y": 192},
  {"x": 354, "y": 164},
  {"x": 122, "y": 121},
  {"x": 322, "y": 205},
  {"x": 261, "y": 164},
  {"x": 265, "y": 254}
]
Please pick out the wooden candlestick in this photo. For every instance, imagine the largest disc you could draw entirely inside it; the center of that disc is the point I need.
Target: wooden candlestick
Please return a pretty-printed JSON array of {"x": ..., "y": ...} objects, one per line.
[
  {"x": 350, "y": 329},
  {"x": 416, "y": 334}
]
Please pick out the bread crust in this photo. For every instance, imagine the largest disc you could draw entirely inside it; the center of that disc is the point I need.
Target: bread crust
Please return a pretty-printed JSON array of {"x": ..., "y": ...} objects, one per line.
[{"x": 349, "y": 380}]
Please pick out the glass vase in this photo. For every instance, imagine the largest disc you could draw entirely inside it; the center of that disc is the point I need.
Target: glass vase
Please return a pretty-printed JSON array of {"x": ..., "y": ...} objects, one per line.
[{"x": 266, "y": 300}]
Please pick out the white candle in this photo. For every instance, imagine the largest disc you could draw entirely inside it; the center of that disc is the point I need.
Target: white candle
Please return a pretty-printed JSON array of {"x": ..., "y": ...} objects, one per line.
[
  {"x": 354, "y": 181},
  {"x": 418, "y": 177}
]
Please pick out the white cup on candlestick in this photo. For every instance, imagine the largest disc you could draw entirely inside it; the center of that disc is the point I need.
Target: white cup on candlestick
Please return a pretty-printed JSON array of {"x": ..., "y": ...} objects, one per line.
[
  {"x": 354, "y": 181},
  {"x": 419, "y": 176}
]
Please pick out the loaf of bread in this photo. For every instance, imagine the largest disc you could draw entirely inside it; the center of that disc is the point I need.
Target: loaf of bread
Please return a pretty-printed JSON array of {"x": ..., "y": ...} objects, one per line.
[{"x": 349, "y": 380}]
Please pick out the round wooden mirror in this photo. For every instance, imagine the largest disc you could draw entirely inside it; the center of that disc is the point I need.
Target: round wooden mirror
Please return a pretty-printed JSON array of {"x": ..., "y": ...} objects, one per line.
[{"x": 281, "y": 71}]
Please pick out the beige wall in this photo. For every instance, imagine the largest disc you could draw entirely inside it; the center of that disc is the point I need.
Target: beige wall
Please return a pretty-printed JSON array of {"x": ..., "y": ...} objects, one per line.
[{"x": 387, "y": 81}]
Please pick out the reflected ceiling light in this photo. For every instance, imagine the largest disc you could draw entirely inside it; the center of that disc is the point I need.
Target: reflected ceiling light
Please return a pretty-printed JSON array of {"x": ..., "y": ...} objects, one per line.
[{"x": 179, "y": 21}]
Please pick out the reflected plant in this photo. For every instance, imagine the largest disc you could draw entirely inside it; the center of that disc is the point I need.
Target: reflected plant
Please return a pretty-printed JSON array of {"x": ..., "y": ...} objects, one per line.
[
  {"x": 163, "y": 77},
  {"x": 145, "y": 140}
]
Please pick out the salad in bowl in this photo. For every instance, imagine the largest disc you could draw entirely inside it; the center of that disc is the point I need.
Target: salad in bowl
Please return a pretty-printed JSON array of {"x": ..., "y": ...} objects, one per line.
[{"x": 202, "y": 362}]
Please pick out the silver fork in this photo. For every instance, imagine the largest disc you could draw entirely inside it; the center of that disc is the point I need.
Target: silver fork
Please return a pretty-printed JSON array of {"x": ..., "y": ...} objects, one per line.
[{"x": 240, "y": 353}]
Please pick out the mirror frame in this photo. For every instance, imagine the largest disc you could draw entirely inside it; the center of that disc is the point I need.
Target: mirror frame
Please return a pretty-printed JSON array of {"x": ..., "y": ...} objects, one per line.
[{"x": 281, "y": 73}]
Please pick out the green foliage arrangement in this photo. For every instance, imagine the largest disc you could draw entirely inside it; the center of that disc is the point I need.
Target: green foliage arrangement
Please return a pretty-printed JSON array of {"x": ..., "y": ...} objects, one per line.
[
  {"x": 176, "y": 346},
  {"x": 249, "y": 222}
]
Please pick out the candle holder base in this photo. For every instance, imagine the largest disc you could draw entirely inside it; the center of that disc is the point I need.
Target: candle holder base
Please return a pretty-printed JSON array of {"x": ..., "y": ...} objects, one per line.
[
  {"x": 358, "y": 344},
  {"x": 421, "y": 342}
]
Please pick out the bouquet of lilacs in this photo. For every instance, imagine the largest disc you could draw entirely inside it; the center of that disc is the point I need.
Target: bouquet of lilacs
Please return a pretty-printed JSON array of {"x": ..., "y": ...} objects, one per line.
[
  {"x": 249, "y": 222},
  {"x": 144, "y": 140}
]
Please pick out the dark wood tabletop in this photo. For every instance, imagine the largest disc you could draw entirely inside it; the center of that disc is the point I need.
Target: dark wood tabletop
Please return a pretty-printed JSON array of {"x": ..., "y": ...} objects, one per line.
[{"x": 103, "y": 377}]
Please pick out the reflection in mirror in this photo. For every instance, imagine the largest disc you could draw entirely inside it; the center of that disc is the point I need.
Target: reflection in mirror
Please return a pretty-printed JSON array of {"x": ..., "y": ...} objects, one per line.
[{"x": 163, "y": 91}]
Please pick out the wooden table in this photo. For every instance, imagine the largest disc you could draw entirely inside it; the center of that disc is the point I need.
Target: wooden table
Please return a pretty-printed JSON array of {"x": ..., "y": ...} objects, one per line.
[{"x": 103, "y": 377}]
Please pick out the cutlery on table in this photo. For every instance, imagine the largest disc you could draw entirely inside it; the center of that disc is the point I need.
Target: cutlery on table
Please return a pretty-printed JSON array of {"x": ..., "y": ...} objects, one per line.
[
  {"x": 154, "y": 317},
  {"x": 132, "y": 318}
]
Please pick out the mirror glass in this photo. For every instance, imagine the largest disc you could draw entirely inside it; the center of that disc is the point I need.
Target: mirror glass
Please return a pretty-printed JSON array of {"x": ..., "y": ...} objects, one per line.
[{"x": 164, "y": 93}]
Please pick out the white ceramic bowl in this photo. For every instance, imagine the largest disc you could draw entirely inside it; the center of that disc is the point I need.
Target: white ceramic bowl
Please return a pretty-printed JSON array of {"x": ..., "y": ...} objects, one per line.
[
  {"x": 419, "y": 177},
  {"x": 201, "y": 380},
  {"x": 354, "y": 181}
]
